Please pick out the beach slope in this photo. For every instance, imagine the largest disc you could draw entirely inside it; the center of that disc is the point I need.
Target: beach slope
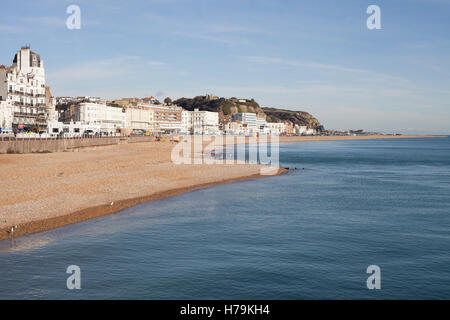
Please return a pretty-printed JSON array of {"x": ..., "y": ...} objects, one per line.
[{"x": 45, "y": 191}]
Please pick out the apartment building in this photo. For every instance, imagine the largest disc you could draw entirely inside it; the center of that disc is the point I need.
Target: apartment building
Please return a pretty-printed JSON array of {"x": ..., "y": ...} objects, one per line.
[
  {"x": 23, "y": 89},
  {"x": 276, "y": 128},
  {"x": 261, "y": 125},
  {"x": 140, "y": 118},
  {"x": 300, "y": 130},
  {"x": 187, "y": 126},
  {"x": 200, "y": 122},
  {"x": 234, "y": 128},
  {"x": 246, "y": 118},
  {"x": 110, "y": 119},
  {"x": 167, "y": 119}
]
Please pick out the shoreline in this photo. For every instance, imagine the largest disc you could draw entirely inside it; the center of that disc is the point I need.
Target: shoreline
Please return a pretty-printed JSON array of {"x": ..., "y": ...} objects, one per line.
[
  {"x": 64, "y": 215},
  {"x": 45, "y": 224}
]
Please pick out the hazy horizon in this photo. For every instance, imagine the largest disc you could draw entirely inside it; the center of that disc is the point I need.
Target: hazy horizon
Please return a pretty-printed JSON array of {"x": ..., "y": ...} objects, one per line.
[{"x": 316, "y": 57}]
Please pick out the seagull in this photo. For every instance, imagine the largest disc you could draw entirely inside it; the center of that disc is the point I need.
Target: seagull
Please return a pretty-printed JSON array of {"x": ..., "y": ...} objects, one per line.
[{"x": 112, "y": 203}]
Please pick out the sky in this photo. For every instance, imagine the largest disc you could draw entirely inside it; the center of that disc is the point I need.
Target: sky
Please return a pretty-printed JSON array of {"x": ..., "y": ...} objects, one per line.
[{"x": 315, "y": 56}]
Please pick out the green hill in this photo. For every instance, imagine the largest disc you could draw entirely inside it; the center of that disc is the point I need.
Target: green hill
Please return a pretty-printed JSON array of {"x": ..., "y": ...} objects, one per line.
[{"x": 228, "y": 106}]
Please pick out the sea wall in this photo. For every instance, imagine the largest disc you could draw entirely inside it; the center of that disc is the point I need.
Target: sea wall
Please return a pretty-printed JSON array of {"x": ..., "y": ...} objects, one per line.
[{"x": 61, "y": 145}]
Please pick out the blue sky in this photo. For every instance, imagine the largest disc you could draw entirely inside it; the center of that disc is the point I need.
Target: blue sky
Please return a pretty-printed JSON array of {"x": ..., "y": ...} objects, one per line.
[{"x": 316, "y": 56}]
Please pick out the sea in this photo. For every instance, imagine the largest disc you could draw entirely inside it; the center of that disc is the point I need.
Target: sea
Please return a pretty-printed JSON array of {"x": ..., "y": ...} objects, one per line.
[{"x": 313, "y": 233}]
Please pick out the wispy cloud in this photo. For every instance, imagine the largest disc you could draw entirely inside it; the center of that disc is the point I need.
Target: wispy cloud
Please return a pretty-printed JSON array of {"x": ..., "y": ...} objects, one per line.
[
  {"x": 105, "y": 68},
  {"x": 225, "y": 33},
  {"x": 329, "y": 67},
  {"x": 48, "y": 21}
]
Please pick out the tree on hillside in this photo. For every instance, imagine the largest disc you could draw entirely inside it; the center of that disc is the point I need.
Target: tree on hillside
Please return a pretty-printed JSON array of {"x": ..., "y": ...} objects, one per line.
[{"x": 168, "y": 101}]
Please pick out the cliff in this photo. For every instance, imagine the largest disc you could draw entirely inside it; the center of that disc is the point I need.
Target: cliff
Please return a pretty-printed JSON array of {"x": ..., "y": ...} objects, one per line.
[
  {"x": 300, "y": 118},
  {"x": 226, "y": 107}
]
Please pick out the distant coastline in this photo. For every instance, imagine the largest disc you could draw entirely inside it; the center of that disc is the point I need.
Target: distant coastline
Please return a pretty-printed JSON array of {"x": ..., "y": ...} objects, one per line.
[{"x": 368, "y": 137}]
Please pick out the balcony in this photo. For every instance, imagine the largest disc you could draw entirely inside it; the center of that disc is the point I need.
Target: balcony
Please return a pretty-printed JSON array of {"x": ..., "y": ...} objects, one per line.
[
  {"x": 27, "y": 94},
  {"x": 28, "y": 105},
  {"x": 25, "y": 115}
]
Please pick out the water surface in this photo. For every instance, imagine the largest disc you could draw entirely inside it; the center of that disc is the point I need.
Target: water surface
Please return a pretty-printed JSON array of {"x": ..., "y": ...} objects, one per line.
[{"x": 310, "y": 234}]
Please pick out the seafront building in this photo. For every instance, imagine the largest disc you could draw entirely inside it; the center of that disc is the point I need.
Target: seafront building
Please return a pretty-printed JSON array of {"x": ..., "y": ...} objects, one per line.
[
  {"x": 167, "y": 119},
  {"x": 109, "y": 119},
  {"x": 311, "y": 132},
  {"x": 26, "y": 101},
  {"x": 276, "y": 128},
  {"x": 233, "y": 128},
  {"x": 73, "y": 129},
  {"x": 246, "y": 118},
  {"x": 187, "y": 126},
  {"x": 140, "y": 118},
  {"x": 261, "y": 126},
  {"x": 26, "y": 104},
  {"x": 200, "y": 122},
  {"x": 300, "y": 130}
]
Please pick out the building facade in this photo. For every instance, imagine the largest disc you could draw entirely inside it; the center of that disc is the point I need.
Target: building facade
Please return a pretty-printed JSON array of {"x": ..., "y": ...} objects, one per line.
[
  {"x": 140, "y": 118},
  {"x": 261, "y": 125},
  {"x": 109, "y": 119},
  {"x": 167, "y": 119},
  {"x": 187, "y": 126},
  {"x": 246, "y": 118},
  {"x": 200, "y": 122},
  {"x": 22, "y": 87},
  {"x": 276, "y": 128},
  {"x": 234, "y": 128}
]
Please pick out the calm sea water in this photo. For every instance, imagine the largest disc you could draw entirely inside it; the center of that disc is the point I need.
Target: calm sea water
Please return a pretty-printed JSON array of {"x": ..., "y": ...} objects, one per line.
[{"x": 310, "y": 234}]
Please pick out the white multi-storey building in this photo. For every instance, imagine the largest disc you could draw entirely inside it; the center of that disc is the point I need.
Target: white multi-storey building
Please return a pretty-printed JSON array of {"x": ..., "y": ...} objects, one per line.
[
  {"x": 187, "y": 126},
  {"x": 248, "y": 120},
  {"x": 300, "y": 130},
  {"x": 276, "y": 128},
  {"x": 110, "y": 119},
  {"x": 200, "y": 122},
  {"x": 205, "y": 122},
  {"x": 310, "y": 132},
  {"x": 261, "y": 125},
  {"x": 22, "y": 87},
  {"x": 140, "y": 118},
  {"x": 234, "y": 128}
]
